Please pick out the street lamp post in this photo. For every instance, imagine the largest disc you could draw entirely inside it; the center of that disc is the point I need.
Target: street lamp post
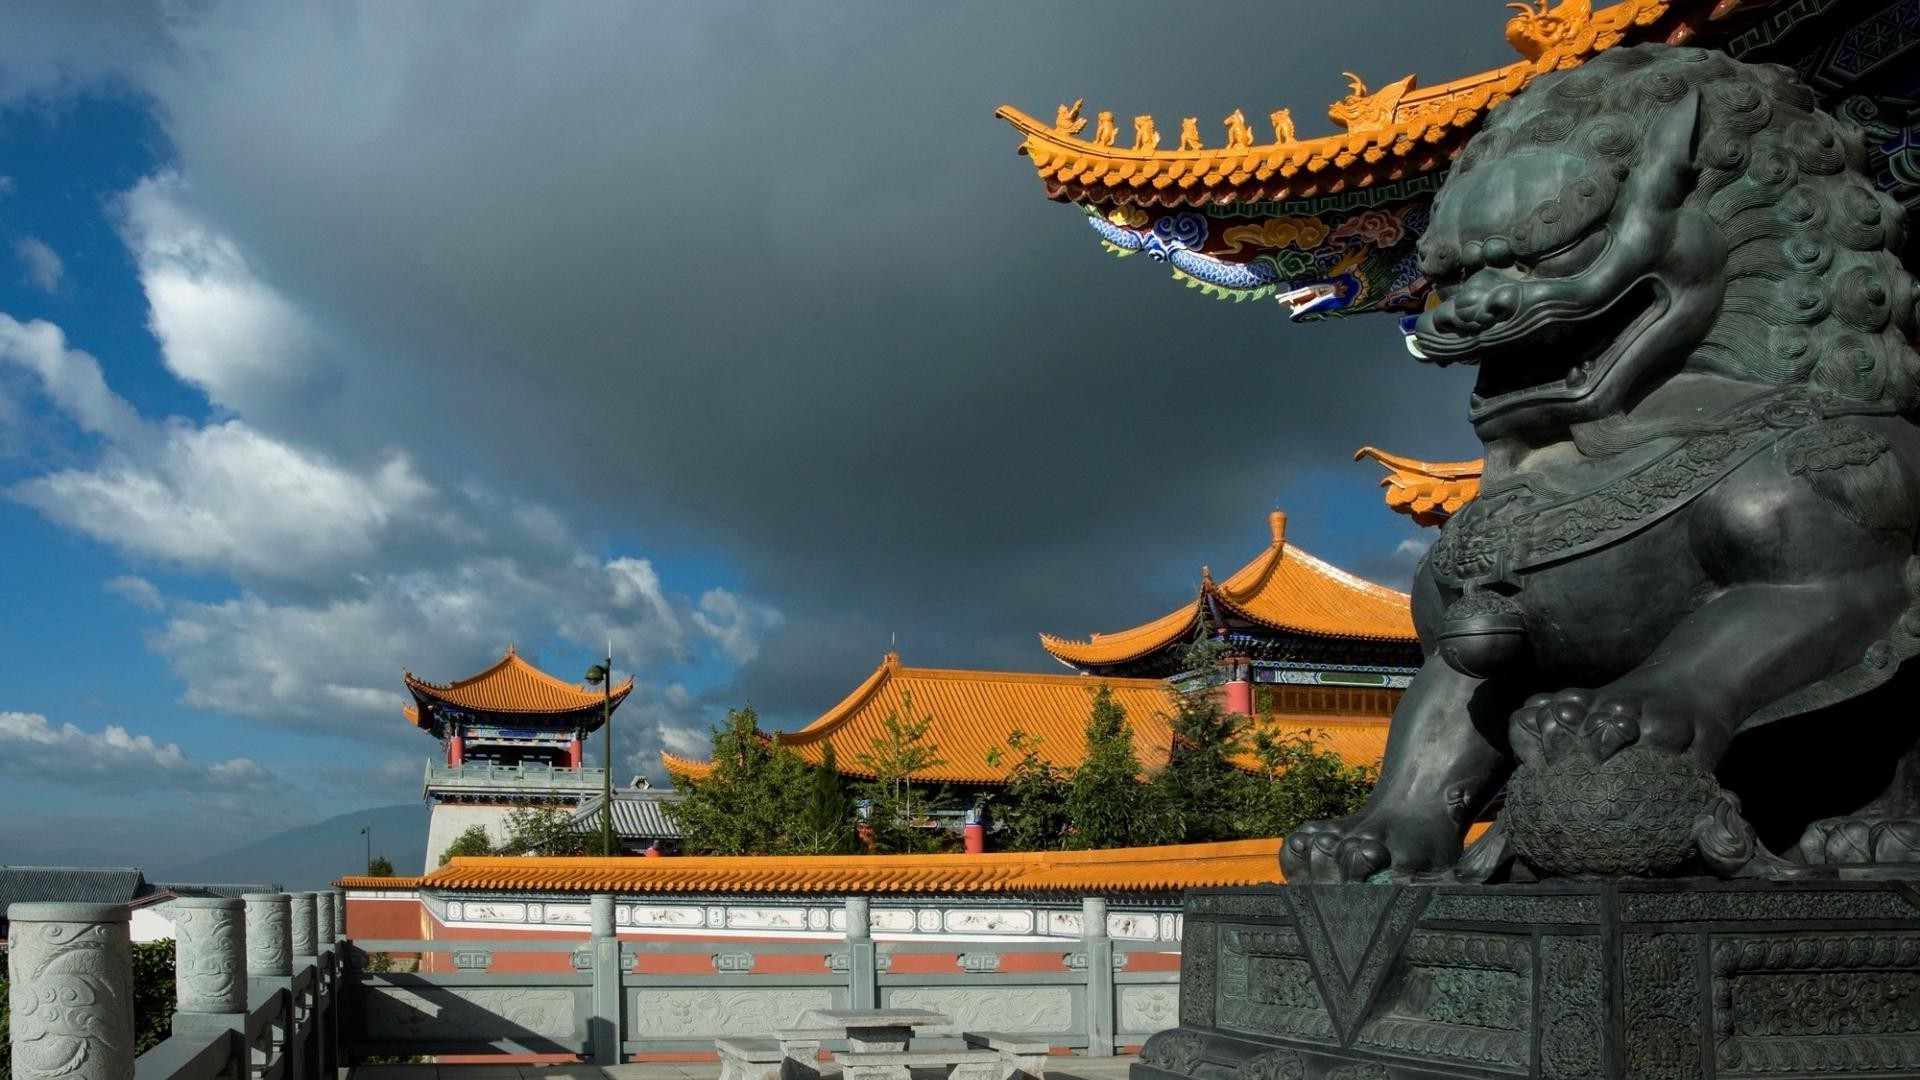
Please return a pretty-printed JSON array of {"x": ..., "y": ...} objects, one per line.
[
  {"x": 603, "y": 675},
  {"x": 367, "y": 831}
]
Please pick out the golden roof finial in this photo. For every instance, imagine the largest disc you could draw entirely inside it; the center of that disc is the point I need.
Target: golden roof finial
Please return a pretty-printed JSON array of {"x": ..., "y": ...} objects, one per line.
[
  {"x": 1190, "y": 133},
  {"x": 1238, "y": 134},
  {"x": 1537, "y": 31},
  {"x": 1144, "y": 135},
  {"x": 1277, "y": 521},
  {"x": 1106, "y": 132},
  {"x": 1282, "y": 125},
  {"x": 1067, "y": 119},
  {"x": 1364, "y": 111},
  {"x": 1206, "y": 577}
]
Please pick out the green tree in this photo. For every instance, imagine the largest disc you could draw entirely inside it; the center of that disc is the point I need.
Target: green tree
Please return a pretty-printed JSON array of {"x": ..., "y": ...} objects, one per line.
[
  {"x": 754, "y": 801},
  {"x": 828, "y": 826},
  {"x": 1299, "y": 780},
  {"x": 152, "y": 994},
  {"x": 380, "y": 866},
  {"x": 1032, "y": 812},
  {"x": 902, "y": 813},
  {"x": 546, "y": 830},
  {"x": 1200, "y": 782},
  {"x": 474, "y": 841},
  {"x": 1107, "y": 801}
]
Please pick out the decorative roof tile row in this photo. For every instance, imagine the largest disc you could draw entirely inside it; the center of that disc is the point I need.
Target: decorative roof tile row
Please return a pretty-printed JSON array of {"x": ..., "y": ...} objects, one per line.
[
  {"x": 1429, "y": 492},
  {"x": 362, "y": 881},
  {"x": 1283, "y": 588},
  {"x": 1390, "y": 134},
  {"x": 510, "y": 686},
  {"x": 973, "y": 714},
  {"x": 1175, "y": 867}
]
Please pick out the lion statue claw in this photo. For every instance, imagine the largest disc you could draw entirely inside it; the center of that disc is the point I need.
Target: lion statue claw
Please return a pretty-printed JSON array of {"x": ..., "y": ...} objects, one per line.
[{"x": 1675, "y": 626}]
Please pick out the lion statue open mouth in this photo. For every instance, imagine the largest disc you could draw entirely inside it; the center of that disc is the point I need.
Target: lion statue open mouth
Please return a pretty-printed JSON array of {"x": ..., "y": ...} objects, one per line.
[{"x": 1674, "y": 626}]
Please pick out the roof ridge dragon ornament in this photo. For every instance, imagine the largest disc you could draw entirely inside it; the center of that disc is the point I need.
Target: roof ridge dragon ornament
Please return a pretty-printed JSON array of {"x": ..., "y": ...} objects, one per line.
[{"x": 1692, "y": 569}]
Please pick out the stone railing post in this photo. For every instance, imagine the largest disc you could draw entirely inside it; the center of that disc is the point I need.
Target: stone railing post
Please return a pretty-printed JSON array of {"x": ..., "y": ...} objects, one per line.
[
  {"x": 327, "y": 976},
  {"x": 70, "y": 1002},
  {"x": 304, "y": 1053},
  {"x": 863, "y": 973},
  {"x": 270, "y": 967},
  {"x": 210, "y": 973},
  {"x": 604, "y": 1027},
  {"x": 339, "y": 915},
  {"x": 1093, "y": 930}
]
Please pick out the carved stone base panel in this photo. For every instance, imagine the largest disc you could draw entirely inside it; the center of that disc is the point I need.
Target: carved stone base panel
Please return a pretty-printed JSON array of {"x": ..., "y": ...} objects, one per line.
[{"x": 1670, "y": 980}]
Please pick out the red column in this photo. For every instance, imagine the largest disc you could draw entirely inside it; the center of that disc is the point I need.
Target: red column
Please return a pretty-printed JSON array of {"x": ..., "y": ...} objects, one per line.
[
  {"x": 573, "y": 751},
  {"x": 456, "y": 748},
  {"x": 975, "y": 832},
  {"x": 1236, "y": 688}
]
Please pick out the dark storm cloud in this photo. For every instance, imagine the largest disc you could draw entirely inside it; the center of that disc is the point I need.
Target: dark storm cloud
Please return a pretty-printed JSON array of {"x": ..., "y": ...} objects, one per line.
[{"x": 770, "y": 279}]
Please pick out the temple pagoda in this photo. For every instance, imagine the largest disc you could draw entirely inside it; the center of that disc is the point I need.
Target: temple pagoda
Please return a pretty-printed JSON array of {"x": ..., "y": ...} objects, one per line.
[
  {"x": 510, "y": 714},
  {"x": 1301, "y": 637},
  {"x": 514, "y": 736}
]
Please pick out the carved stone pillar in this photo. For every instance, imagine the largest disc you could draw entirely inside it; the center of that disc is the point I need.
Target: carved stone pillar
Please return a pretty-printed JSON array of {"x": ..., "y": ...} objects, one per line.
[
  {"x": 300, "y": 908},
  {"x": 323, "y": 920},
  {"x": 603, "y": 1029},
  {"x": 269, "y": 935},
  {"x": 70, "y": 969},
  {"x": 339, "y": 915},
  {"x": 1100, "y": 1002},
  {"x": 210, "y": 955}
]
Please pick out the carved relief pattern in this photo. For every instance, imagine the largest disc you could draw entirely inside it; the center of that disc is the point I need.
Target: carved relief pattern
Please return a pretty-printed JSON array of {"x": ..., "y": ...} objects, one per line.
[
  {"x": 1198, "y": 965},
  {"x": 1267, "y": 986},
  {"x": 1662, "y": 1005},
  {"x": 476, "y": 1014},
  {"x": 1260, "y": 905},
  {"x": 1359, "y": 1070},
  {"x": 1826, "y": 1003},
  {"x": 1483, "y": 906},
  {"x": 1272, "y": 1065},
  {"x": 1514, "y": 533},
  {"x": 1175, "y": 1051},
  {"x": 1464, "y": 997},
  {"x": 1148, "y": 1008},
  {"x": 1038, "y": 1008},
  {"x": 207, "y": 959},
  {"x": 300, "y": 916},
  {"x": 1570, "y": 989},
  {"x": 704, "y": 1014},
  {"x": 71, "y": 1016},
  {"x": 269, "y": 938},
  {"x": 1694, "y": 906}
]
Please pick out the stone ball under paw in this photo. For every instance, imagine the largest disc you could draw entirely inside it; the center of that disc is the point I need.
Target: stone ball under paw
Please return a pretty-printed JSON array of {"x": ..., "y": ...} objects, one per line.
[{"x": 1631, "y": 815}]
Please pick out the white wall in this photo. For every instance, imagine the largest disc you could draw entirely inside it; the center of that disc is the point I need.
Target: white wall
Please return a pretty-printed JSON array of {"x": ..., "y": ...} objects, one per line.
[{"x": 449, "y": 820}]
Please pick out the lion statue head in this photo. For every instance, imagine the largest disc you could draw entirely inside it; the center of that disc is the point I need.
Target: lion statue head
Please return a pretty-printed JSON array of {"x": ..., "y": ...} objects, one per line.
[{"x": 1662, "y": 211}]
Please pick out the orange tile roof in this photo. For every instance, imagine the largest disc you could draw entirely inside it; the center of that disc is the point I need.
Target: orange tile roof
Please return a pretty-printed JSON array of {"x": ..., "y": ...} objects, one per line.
[
  {"x": 973, "y": 713},
  {"x": 510, "y": 686},
  {"x": 1393, "y": 133},
  {"x": 1283, "y": 588},
  {"x": 1427, "y": 491},
  {"x": 1180, "y": 866},
  {"x": 361, "y": 881}
]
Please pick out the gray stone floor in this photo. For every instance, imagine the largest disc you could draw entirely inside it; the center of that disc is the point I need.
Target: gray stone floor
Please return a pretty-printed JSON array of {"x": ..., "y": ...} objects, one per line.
[{"x": 1061, "y": 1068}]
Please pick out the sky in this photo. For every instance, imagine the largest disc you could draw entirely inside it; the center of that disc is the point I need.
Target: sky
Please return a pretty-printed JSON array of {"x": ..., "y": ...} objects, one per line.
[{"x": 342, "y": 339}]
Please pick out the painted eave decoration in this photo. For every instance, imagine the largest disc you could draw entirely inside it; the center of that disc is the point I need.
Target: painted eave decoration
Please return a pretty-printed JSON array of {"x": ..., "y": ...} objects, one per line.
[
  {"x": 1326, "y": 225},
  {"x": 1429, "y": 492}
]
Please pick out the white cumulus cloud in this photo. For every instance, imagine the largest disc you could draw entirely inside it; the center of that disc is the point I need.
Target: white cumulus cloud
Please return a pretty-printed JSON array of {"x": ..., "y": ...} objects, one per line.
[{"x": 113, "y": 761}]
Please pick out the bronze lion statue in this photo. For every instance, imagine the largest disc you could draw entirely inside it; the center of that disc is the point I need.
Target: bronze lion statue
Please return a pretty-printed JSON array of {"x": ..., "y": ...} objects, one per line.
[{"x": 1672, "y": 629}]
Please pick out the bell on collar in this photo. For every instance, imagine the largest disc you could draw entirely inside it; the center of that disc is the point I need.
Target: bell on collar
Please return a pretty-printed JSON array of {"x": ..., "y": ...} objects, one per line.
[{"x": 1483, "y": 634}]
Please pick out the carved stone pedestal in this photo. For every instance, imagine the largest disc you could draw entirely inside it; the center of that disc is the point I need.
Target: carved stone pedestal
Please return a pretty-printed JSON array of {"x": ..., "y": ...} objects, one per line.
[{"x": 1642, "y": 980}]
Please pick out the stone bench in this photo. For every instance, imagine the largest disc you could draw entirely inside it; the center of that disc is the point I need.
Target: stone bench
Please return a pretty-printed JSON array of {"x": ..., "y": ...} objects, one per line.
[
  {"x": 1019, "y": 1054},
  {"x": 899, "y": 1064},
  {"x": 750, "y": 1059}
]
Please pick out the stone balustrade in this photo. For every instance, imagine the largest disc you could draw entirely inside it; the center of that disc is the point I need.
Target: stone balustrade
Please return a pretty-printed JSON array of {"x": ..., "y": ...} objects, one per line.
[
  {"x": 245, "y": 1004},
  {"x": 268, "y": 988}
]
